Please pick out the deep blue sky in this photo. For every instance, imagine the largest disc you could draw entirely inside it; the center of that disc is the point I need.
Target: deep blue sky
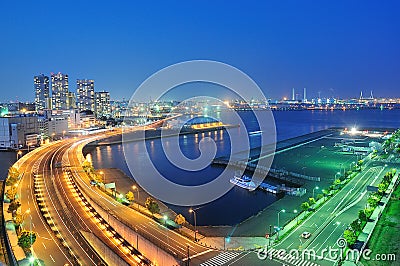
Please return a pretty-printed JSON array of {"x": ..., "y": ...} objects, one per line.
[{"x": 336, "y": 47}]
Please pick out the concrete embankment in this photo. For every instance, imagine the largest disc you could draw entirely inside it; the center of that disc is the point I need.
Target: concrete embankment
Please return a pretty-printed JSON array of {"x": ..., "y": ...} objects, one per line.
[{"x": 153, "y": 134}]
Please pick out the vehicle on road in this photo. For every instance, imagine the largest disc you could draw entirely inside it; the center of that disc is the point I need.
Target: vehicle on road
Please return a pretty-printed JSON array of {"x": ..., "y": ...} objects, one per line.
[{"x": 306, "y": 235}]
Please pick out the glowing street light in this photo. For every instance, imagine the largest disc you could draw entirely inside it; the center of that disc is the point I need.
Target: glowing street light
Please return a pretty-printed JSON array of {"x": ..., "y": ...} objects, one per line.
[
  {"x": 195, "y": 223},
  {"x": 136, "y": 188},
  {"x": 297, "y": 216},
  {"x": 165, "y": 218},
  {"x": 277, "y": 235},
  {"x": 19, "y": 153},
  {"x": 104, "y": 178},
  {"x": 313, "y": 191}
]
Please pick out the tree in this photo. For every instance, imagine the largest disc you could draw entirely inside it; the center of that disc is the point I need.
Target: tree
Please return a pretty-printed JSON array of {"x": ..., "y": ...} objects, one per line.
[
  {"x": 320, "y": 196},
  {"x": 382, "y": 188},
  {"x": 13, "y": 172},
  {"x": 130, "y": 196},
  {"x": 305, "y": 206},
  {"x": 11, "y": 181},
  {"x": 98, "y": 178},
  {"x": 350, "y": 237},
  {"x": 336, "y": 182},
  {"x": 372, "y": 201},
  {"x": 18, "y": 220},
  {"x": 11, "y": 193},
  {"x": 311, "y": 201},
  {"x": 362, "y": 216},
  {"x": 356, "y": 225},
  {"x": 387, "y": 177},
  {"x": 368, "y": 212},
  {"x": 152, "y": 205},
  {"x": 87, "y": 166},
  {"x": 13, "y": 207},
  {"x": 26, "y": 239},
  {"x": 179, "y": 219}
]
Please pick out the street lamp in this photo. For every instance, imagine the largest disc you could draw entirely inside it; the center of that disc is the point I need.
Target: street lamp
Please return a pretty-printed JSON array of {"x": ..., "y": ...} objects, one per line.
[
  {"x": 297, "y": 217},
  {"x": 136, "y": 188},
  {"x": 120, "y": 196},
  {"x": 227, "y": 239},
  {"x": 195, "y": 224},
  {"x": 277, "y": 235},
  {"x": 18, "y": 154},
  {"x": 313, "y": 191},
  {"x": 31, "y": 260},
  {"x": 341, "y": 165},
  {"x": 304, "y": 170},
  {"x": 337, "y": 174},
  {"x": 104, "y": 178}
]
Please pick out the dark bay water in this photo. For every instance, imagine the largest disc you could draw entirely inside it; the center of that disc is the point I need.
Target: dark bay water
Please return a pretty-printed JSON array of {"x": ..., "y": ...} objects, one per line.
[
  {"x": 7, "y": 158},
  {"x": 238, "y": 204}
]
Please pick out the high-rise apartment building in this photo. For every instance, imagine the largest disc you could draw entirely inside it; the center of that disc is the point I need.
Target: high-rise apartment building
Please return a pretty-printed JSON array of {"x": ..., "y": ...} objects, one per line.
[
  {"x": 102, "y": 104},
  {"x": 42, "y": 92},
  {"x": 85, "y": 94},
  {"x": 59, "y": 91},
  {"x": 71, "y": 103}
]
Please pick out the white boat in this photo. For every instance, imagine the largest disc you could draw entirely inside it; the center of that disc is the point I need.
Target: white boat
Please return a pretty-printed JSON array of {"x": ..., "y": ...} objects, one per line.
[
  {"x": 259, "y": 132},
  {"x": 243, "y": 182}
]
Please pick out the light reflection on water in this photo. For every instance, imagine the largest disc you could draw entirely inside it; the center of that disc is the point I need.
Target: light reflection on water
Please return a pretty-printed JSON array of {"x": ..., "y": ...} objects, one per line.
[{"x": 289, "y": 124}]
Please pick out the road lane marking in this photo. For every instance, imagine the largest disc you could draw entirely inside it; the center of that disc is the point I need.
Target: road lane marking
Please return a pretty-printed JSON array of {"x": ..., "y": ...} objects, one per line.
[
  {"x": 198, "y": 254},
  {"x": 337, "y": 226},
  {"x": 51, "y": 257},
  {"x": 348, "y": 192},
  {"x": 44, "y": 245},
  {"x": 240, "y": 257}
]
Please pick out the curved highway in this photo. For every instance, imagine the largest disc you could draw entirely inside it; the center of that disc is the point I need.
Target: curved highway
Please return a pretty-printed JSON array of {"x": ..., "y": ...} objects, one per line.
[{"x": 51, "y": 190}]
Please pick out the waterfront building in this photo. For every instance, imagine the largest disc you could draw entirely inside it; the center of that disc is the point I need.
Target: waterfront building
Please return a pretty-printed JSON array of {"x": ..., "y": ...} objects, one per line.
[
  {"x": 17, "y": 108},
  {"x": 102, "y": 104},
  {"x": 18, "y": 131},
  {"x": 85, "y": 94},
  {"x": 42, "y": 92},
  {"x": 59, "y": 91}
]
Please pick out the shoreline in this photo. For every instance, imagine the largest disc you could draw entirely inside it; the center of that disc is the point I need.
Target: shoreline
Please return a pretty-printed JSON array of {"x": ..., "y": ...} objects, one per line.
[
  {"x": 156, "y": 135},
  {"x": 243, "y": 228}
]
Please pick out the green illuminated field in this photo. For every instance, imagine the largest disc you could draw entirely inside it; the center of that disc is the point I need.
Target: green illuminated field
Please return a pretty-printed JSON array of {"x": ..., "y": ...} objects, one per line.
[{"x": 385, "y": 239}]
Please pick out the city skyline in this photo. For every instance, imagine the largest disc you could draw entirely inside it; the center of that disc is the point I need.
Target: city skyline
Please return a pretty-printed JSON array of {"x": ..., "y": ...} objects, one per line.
[{"x": 336, "y": 49}]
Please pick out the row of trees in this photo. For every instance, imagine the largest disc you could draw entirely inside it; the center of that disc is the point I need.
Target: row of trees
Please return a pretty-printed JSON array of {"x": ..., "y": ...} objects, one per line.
[
  {"x": 25, "y": 238},
  {"x": 351, "y": 234},
  {"x": 13, "y": 176},
  {"x": 392, "y": 142},
  {"x": 152, "y": 205},
  {"x": 89, "y": 169}
]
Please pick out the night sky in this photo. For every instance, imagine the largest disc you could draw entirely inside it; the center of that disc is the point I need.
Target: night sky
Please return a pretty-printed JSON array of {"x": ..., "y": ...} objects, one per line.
[{"x": 335, "y": 47}]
